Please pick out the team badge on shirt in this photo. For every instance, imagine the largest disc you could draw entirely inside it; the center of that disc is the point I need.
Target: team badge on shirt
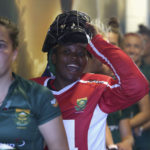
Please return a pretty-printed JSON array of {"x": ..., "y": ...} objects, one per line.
[
  {"x": 22, "y": 118},
  {"x": 81, "y": 103},
  {"x": 54, "y": 102}
]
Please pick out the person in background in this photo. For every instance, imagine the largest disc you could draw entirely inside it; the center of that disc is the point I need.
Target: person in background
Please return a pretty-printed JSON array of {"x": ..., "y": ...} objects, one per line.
[
  {"x": 143, "y": 132},
  {"x": 140, "y": 112},
  {"x": 118, "y": 122},
  {"x": 85, "y": 99},
  {"x": 119, "y": 125},
  {"x": 145, "y": 64},
  {"x": 114, "y": 36},
  {"x": 120, "y": 136},
  {"x": 29, "y": 114}
]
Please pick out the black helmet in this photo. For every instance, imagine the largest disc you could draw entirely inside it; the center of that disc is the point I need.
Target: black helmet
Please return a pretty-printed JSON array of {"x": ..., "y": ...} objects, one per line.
[{"x": 68, "y": 27}]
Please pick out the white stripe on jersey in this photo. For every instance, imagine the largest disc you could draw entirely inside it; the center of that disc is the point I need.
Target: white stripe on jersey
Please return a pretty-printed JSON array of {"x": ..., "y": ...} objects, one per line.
[
  {"x": 46, "y": 81},
  {"x": 81, "y": 81},
  {"x": 64, "y": 89},
  {"x": 101, "y": 82},
  {"x": 107, "y": 61}
]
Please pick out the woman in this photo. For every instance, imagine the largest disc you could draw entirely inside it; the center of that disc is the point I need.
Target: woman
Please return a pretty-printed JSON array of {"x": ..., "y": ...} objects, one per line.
[
  {"x": 28, "y": 112},
  {"x": 140, "y": 112},
  {"x": 119, "y": 122},
  {"x": 86, "y": 99}
]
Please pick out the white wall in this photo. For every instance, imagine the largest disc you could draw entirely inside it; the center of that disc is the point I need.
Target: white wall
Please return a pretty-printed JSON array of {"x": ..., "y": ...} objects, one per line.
[{"x": 136, "y": 13}]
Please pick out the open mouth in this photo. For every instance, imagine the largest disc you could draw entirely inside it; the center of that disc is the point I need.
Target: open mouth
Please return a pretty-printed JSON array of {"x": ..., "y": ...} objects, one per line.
[
  {"x": 132, "y": 55},
  {"x": 73, "y": 67}
]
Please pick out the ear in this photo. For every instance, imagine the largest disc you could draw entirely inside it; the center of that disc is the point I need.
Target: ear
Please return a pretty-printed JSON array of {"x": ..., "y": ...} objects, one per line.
[
  {"x": 53, "y": 58},
  {"x": 15, "y": 53}
]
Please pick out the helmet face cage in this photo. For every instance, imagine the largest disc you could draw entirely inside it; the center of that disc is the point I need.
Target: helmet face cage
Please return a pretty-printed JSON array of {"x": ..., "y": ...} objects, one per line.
[
  {"x": 69, "y": 21},
  {"x": 64, "y": 24}
]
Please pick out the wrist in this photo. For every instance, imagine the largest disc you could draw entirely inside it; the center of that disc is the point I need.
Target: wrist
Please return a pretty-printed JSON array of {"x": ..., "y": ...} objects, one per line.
[{"x": 113, "y": 147}]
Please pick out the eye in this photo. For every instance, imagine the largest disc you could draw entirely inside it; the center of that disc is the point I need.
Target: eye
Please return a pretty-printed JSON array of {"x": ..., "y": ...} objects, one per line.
[
  {"x": 127, "y": 45},
  {"x": 66, "y": 51},
  {"x": 137, "y": 46},
  {"x": 82, "y": 53}
]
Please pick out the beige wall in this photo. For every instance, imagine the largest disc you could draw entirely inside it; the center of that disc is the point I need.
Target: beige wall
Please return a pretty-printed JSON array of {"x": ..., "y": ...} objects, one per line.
[{"x": 35, "y": 17}]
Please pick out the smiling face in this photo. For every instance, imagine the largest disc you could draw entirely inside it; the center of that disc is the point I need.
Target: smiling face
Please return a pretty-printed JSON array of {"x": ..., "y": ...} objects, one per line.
[
  {"x": 70, "y": 61},
  {"x": 7, "y": 54},
  {"x": 132, "y": 45}
]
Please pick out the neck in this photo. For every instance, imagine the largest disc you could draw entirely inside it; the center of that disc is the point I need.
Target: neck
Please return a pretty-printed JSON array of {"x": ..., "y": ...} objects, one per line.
[
  {"x": 5, "y": 82},
  {"x": 60, "y": 84}
]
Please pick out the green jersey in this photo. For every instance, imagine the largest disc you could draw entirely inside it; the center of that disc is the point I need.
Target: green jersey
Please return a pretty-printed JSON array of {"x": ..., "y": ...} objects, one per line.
[
  {"x": 142, "y": 141},
  {"x": 26, "y": 106},
  {"x": 113, "y": 123},
  {"x": 145, "y": 68}
]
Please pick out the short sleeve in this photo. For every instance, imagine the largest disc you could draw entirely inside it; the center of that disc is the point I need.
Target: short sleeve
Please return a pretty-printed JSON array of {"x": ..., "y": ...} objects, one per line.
[{"x": 45, "y": 106}]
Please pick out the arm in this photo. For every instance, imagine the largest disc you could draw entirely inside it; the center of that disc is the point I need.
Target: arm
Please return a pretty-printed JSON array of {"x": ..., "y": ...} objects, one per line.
[
  {"x": 143, "y": 115},
  {"x": 126, "y": 135},
  {"x": 54, "y": 134},
  {"x": 146, "y": 126},
  {"x": 109, "y": 139},
  {"x": 138, "y": 131},
  {"x": 130, "y": 85}
]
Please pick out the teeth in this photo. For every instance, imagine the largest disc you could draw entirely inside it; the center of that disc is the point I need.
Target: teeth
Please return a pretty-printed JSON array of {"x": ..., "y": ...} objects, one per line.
[{"x": 73, "y": 67}]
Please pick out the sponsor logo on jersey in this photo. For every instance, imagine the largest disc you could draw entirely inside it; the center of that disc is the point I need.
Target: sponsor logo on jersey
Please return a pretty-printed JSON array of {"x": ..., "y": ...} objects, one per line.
[
  {"x": 22, "y": 118},
  {"x": 81, "y": 103},
  {"x": 54, "y": 102}
]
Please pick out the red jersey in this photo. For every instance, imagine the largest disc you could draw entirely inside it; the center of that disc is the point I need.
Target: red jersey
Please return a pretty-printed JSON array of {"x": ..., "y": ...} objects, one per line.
[{"x": 85, "y": 103}]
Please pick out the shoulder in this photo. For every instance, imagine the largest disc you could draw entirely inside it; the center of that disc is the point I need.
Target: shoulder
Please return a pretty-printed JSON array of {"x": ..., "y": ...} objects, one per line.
[
  {"x": 32, "y": 88},
  {"x": 40, "y": 80},
  {"x": 37, "y": 98}
]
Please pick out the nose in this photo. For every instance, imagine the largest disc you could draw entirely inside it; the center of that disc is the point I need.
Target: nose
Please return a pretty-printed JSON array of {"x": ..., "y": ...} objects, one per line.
[
  {"x": 74, "y": 55},
  {"x": 131, "y": 50}
]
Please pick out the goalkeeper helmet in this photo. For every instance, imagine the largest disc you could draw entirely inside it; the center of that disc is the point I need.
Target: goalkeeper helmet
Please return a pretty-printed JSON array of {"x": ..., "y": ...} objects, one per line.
[{"x": 68, "y": 27}]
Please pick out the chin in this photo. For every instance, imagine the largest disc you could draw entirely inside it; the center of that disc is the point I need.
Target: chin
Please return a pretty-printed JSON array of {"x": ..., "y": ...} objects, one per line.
[{"x": 73, "y": 79}]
